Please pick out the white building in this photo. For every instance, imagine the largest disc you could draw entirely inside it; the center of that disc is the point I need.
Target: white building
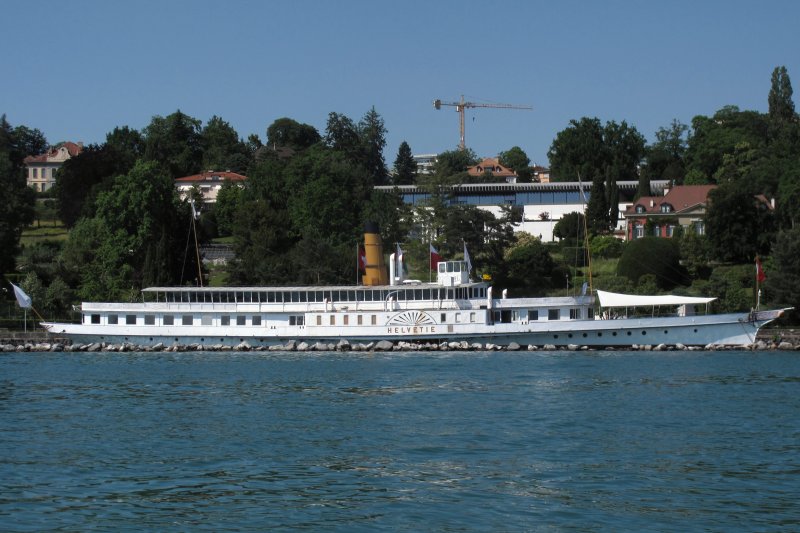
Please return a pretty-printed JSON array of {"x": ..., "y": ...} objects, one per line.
[
  {"x": 209, "y": 183},
  {"x": 543, "y": 204},
  {"x": 42, "y": 168}
]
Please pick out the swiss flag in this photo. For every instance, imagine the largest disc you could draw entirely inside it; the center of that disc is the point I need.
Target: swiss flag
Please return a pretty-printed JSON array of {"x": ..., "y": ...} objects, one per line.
[
  {"x": 435, "y": 258},
  {"x": 362, "y": 260},
  {"x": 760, "y": 276}
]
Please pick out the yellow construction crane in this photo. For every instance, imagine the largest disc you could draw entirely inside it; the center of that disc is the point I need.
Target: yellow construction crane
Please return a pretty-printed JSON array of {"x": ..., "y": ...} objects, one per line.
[{"x": 462, "y": 105}]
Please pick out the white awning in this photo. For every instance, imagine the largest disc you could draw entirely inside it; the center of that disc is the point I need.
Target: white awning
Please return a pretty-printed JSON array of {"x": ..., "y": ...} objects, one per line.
[{"x": 613, "y": 299}]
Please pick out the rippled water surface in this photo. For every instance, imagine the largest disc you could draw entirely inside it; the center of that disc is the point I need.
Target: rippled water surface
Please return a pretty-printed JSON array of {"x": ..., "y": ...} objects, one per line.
[{"x": 400, "y": 441}]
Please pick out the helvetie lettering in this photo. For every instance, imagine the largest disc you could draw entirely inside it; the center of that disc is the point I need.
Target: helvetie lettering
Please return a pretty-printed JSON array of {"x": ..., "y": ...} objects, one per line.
[{"x": 411, "y": 330}]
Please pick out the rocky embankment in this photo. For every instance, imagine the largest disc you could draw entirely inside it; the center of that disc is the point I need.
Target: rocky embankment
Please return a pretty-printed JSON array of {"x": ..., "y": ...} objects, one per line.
[{"x": 379, "y": 346}]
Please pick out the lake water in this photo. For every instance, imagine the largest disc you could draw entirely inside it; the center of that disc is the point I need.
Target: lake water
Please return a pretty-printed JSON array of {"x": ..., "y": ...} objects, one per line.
[{"x": 522, "y": 441}]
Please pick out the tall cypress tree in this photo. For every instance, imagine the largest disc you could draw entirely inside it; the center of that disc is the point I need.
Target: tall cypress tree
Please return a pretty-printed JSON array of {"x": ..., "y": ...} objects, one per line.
[
  {"x": 405, "y": 168},
  {"x": 597, "y": 209}
]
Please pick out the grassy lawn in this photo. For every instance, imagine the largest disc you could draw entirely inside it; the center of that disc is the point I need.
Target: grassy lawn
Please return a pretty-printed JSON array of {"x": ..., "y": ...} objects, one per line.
[{"x": 49, "y": 230}]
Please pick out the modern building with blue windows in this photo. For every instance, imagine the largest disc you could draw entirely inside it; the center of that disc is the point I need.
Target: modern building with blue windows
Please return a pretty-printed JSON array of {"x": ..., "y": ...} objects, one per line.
[{"x": 543, "y": 204}]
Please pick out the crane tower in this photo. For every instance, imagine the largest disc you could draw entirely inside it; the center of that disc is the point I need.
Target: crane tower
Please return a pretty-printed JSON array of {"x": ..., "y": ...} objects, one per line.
[{"x": 462, "y": 105}]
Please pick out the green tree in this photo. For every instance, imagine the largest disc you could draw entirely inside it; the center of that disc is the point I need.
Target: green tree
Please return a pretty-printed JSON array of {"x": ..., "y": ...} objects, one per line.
[
  {"x": 517, "y": 160},
  {"x": 782, "y": 286},
  {"x": 82, "y": 178},
  {"x": 578, "y": 151},
  {"x": 175, "y": 143},
  {"x": 570, "y": 228},
  {"x": 342, "y": 135},
  {"x": 781, "y": 106},
  {"x": 454, "y": 163},
  {"x": 738, "y": 225},
  {"x": 286, "y": 132},
  {"x": 405, "y": 168},
  {"x": 372, "y": 132},
  {"x": 652, "y": 255},
  {"x": 712, "y": 138},
  {"x": 530, "y": 270},
  {"x": 16, "y": 210},
  {"x": 137, "y": 237},
  {"x": 664, "y": 159},
  {"x": 227, "y": 205},
  {"x": 328, "y": 196},
  {"x": 222, "y": 149},
  {"x": 597, "y": 209},
  {"x": 126, "y": 145}
]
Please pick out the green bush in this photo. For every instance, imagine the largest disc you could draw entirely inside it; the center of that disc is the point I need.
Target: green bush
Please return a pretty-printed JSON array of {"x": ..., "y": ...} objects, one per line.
[{"x": 653, "y": 255}]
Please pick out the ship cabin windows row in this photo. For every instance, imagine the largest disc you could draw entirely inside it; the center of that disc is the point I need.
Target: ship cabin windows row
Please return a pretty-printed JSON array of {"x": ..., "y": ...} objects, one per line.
[
  {"x": 331, "y": 295},
  {"x": 507, "y": 316},
  {"x": 182, "y": 320},
  {"x": 346, "y": 320}
]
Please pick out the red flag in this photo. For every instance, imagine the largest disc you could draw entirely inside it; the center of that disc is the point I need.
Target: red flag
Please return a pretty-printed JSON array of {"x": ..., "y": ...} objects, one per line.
[
  {"x": 435, "y": 258},
  {"x": 362, "y": 260},
  {"x": 760, "y": 276}
]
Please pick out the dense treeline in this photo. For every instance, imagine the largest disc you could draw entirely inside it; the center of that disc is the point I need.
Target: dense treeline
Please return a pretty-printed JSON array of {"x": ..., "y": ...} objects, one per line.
[{"x": 300, "y": 216}]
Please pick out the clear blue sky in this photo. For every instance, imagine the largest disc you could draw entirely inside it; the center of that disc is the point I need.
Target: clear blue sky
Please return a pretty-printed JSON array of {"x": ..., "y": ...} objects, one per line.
[{"x": 78, "y": 69}]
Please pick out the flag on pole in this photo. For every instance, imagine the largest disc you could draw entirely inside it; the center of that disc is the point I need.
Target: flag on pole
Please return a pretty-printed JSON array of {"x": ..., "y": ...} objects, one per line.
[
  {"x": 401, "y": 266},
  {"x": 23, "y": 299},
  {"x": 362, "y": 260},
  {"x": 435, "y": 257},
  {"x": 467, "y": 258},
  {"x": 760, "y": 276},
  {"x": 195, "y": 214}
]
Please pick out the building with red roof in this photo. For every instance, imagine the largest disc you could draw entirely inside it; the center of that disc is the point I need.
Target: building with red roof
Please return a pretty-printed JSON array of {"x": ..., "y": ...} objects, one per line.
[
  {"x": 491, "y": 165},
  {"x": 42, "y": 168},
  {"x": 683, "y": 205},
  {"x": 209, "y": 183}
]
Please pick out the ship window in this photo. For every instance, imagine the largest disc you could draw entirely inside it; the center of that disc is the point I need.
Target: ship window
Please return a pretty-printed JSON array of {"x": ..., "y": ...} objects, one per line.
[
  {"x": 319, "y": 320},
  {"x": 287, "y": 297},
  {"x": 225, "y": 320},
  {"x": 130, "y": 319},
  {"x": 533, "y": 314},
  {"x": 295, "y": 296},
  {"x": 374, "y": 319},
  {"x": 574, "y": 314},
  {"x": 443, "y": 318},
  {"x": 187, "y": 320},
  {"x": 168, "y": 320},
  {"x": 271, "y": 297},
  {"x": 95, "y": 319},
  {"x": 333, "y": 320},
  {"x": 345, "y": 319},
  {"x": 241, "y": 320},
  {"x": 149, "y": 320},
  {"x": 418, "y": 294},
  {"x": 351, "y": 296},
  {"x": 359, "y": 320},
  {"x": 458, "y": 317},
  {"x": 472, "y": 317},
  {"x": 590, "y": 312},
  {"x": 112, "y": 319},
  {"x": 256, "y": 321},
  {"x": 554, "y": 314},
  {"x": 205, "y": 320}
]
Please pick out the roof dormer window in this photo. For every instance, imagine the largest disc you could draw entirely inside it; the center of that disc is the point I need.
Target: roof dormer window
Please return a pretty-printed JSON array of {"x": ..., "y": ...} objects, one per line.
[
  {"x": 666, "y": 208},
  {"x": 640, "y": 209}
]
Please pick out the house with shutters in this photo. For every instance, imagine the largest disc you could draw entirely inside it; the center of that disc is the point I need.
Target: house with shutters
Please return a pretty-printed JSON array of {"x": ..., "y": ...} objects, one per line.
[
  {"x": 41, "y": 169},
  {"x": 681, "y": 206}
]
